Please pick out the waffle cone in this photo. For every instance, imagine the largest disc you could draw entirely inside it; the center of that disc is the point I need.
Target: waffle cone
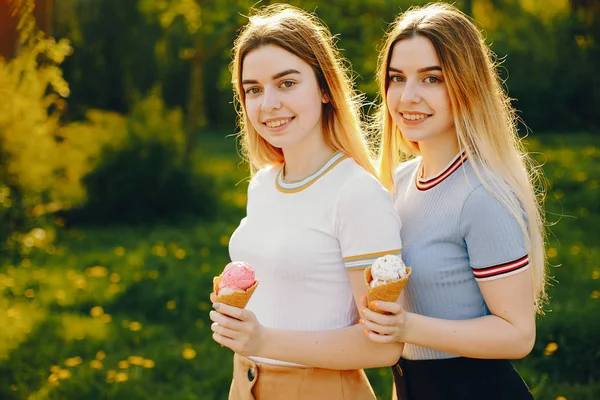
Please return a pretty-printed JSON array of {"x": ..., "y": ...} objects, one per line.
[
  {"x": 237, "y": 299},
  {"x": 386, "y": 292}
]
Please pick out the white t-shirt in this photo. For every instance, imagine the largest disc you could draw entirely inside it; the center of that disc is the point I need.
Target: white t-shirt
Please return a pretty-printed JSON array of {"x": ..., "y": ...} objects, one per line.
[{"x": 300, "y": 237}]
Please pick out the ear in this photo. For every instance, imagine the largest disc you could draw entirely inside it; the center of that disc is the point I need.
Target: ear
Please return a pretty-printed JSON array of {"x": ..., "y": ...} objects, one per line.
[{"x": 325, "y": 98}]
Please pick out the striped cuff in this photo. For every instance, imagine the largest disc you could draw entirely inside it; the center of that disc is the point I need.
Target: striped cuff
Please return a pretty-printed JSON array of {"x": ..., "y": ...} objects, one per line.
[
  {"x": 501, "y": 270},
  {"x": 365, "y": 260}
]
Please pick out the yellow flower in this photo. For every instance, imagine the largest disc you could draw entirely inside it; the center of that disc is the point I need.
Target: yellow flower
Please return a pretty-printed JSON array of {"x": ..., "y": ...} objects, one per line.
[
  {"x": 123, "y": 364},
  {"x": 171, "y": 304},
  {"x": 64, "y": 374},
  {"x": 180, "y": 254},
  {"x": 106, "y": 318},
  {"x": 595, "y": 294},
  {"x": 561, "y": 398},
  {"x": 114, "y": 277},
  {"x": 552, "y": 252},
  {"x": 54, "y": 369},
  {"x": 120, "y": 251},
  {"x": 189, "y": 354},
  {"x": 148, "y": 364},
  {"x": 73, "y": 361},
  {"x": 29, "y": 293},
  {"x": 121, "y": 377},
  {"x": 135, "y": 360},
  {"x": 96, "y": 311},
  {"x": 550, "y": 348},
  {"x": 224, "y": 240},
  {"x": 97, "y": 271},
  {"x": 135, "y": 326},
  {"x": 95, "y": 364},
  {"x": 596, "y": 274},
  {"x": 100, "y": 355}
]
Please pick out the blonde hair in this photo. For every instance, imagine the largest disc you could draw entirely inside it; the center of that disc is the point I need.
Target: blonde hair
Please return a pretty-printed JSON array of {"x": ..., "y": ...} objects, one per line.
[
  {"x": 303, "y": 35},
  {"x": 485, "y": 121}
]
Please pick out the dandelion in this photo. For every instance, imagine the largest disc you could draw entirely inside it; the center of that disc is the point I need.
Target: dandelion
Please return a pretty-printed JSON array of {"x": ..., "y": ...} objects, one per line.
[
  {"x": 106, "y": 318},
  {"x": 100, "y": 355},
  {"x": 595, "y": 294},
  {"x": 135, "y": 360},
  {"x": 97, "y": 271},
  {"x": 121, "y": 377},
  {"x": 148, "y": 364},
  {"x": 205, "y": 268},
  {"x": 29, "y": 293},
  {"x": 13, "y": 388},
  {"x": 171, "y": 305},
  {"x": 123, "y": 364},
  {"x": 120, "y": 251},
  {"x": 96, "y": 364},
  {"x": 224, "y": 240},
  {"x": 135, "y": 326},
  {"x": 73, "y": 361},
  {"x": 96, "y": 311},
  {"x": 114, "y": 288},
  {"x": 189, "y": 354},
  {"x": 53, "y": 380},
  {"x": 550, "y": 348},
  {"x": 596, "y": 274},
  {"x": 26, "y": 263},
  {"x": 60, "y": 295},
  {"x": 552, "y": 252},
  {"x": 64, "y": 374},
  {"x": 54, "y": 369},
  {"x": 575, "y": 249},
  {"x": 180, "y": 254},
  {"x": 114, "y": 277},
  {"x": 561, "y": 398}
]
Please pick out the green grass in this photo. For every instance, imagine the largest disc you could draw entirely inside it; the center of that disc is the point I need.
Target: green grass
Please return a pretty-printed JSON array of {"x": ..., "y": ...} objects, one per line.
[{"x": 122, "y": 312}]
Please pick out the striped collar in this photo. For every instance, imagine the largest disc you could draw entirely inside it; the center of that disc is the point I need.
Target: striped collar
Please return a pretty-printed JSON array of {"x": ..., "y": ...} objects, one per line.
[
  {"x": 426, "y": 184},
  {"x": 297, "y": 186}
]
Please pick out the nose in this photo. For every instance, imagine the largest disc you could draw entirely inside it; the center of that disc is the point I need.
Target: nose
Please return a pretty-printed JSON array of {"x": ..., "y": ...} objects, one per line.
[
  {"x": 270, "y": 100},
  {"x": 410, "y": 93}
]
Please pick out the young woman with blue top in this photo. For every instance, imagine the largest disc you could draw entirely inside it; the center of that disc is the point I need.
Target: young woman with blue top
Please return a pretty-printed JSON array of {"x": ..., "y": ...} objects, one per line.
[
  {"x": 472, "y": 229},
  {"x": 316, "y": 217}
]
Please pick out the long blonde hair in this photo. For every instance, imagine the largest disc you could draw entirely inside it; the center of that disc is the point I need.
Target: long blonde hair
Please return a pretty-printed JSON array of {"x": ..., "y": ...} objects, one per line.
[
  {"x": 485, "y": 121},
  {"x": 303, "y": 35}
]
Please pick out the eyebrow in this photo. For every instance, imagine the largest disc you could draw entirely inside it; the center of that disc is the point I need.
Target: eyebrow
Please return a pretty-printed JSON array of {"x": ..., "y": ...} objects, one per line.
[
  {"x": 426, "y": 69},
  {"x": 276, "y": 76}
]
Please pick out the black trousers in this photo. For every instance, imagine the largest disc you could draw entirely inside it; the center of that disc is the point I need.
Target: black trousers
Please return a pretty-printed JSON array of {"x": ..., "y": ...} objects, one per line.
[{"x": 459, "y": 378}]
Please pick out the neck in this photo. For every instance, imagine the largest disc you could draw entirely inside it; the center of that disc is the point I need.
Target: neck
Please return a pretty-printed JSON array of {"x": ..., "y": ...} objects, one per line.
[
  {"x": 302, "y": 161},
  {"x": 436, "y": 156}
]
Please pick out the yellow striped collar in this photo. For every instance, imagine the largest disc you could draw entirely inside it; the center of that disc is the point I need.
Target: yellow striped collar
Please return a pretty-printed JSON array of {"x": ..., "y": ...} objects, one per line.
[{"x": 297, "y": 186}]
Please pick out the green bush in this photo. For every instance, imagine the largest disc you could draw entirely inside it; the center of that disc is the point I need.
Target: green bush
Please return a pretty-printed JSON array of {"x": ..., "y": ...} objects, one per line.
[{"x": 146, "y": 178}]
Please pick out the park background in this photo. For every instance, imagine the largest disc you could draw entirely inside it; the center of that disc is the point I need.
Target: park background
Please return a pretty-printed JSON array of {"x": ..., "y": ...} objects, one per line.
[{"x": 120, "y": 184}]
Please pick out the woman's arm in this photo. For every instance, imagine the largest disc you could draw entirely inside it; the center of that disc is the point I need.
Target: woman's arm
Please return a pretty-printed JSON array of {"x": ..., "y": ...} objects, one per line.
[
  {"x": 341, "y": 349},
  {"x": 508, "y": 333}
]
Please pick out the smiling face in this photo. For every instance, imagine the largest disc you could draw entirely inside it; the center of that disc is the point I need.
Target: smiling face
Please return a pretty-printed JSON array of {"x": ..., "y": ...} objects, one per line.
[
  {"x": 283, "y": 100},
  {"x": 417, "y": 96}
]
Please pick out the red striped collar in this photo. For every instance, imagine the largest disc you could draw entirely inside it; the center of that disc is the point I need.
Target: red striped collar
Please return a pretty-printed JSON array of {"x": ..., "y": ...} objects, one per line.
[{"x": 427, "y": 184}]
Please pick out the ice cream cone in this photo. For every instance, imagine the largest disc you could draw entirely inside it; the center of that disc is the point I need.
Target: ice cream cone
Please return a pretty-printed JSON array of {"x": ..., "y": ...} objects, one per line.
[
  {"x": 386, "y": 292},
  {"x": 237, "y": 299}
]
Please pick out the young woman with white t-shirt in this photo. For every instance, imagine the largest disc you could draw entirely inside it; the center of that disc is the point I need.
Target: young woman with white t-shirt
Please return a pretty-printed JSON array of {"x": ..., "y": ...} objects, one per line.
[{"x": 316, "y": 217}]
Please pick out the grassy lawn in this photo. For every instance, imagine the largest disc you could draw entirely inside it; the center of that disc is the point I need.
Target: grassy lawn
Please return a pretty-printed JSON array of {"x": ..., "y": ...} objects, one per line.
[{"x": 122, "y": 312}]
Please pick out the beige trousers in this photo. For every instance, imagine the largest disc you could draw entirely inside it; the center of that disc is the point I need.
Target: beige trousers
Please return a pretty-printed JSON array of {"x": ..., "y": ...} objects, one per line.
[{"x": 260, "y": 381}]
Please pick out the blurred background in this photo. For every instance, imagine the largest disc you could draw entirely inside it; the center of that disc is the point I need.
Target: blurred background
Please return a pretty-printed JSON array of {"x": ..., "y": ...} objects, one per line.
[{"x": 120, "y": 184}]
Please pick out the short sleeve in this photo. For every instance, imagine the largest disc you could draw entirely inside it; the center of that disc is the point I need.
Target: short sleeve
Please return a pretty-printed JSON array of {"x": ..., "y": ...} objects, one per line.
[
  {"x": 367, "y": 224},
  {"x": 494, "y": 239}
]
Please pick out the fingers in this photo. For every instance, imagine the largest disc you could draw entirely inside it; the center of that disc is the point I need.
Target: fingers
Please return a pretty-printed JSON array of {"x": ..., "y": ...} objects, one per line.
[
  {"x": 386, "y": 306},
  {"x": 233, "y": 312},
  {"x": 223, "y": 341},
  {"x": 380, "y": 338},
  {"x": 381, "y": 329},
  {"x": 226, "y": 321},
  {"x": 377, "y": 318}
]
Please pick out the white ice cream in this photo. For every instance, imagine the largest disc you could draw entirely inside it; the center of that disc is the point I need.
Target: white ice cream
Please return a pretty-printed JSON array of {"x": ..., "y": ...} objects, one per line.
[{"x": 387, "y": 269}]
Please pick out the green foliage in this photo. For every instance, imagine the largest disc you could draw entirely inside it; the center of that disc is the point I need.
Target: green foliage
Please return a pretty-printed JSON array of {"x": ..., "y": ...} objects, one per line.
[
  {"x": 145, "y": 178},
  {"x": 32, "y": 90}
]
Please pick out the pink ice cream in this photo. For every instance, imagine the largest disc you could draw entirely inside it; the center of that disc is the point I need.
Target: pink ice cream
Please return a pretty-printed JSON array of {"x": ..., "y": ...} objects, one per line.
[{"x": 237, "y": 275}]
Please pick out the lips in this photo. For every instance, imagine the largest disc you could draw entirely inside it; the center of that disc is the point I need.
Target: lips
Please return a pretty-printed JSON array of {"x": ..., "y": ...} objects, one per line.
[{"x": 414, "y": 116}]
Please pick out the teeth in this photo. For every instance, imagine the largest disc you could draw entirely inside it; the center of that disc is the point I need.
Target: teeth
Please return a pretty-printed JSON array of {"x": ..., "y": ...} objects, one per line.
[
  {"x": 414, "y": 117},
  {"x": 275, "y": 124}
]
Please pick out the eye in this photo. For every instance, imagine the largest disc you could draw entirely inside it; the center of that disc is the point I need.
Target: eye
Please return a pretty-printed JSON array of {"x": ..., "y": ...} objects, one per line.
[
  {"x": 287, "y": 84},
  {"x": 396, "y": 78},
  {"x": 432, "y": 79},
  {"x": 252, "y": 90}
]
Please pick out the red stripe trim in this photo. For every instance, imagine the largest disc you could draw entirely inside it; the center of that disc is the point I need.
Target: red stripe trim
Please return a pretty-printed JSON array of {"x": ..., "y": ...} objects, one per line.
[
  {"x": 428, "y": 184},
  {"x": 501, "y": 268}
]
